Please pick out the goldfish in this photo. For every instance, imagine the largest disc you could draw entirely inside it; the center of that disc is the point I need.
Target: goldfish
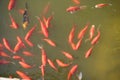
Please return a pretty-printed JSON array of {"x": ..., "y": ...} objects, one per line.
[
  {"x": 96, "y": 38},
  {"x": 78, "y": 44},
  {"x": 30, "y": 32},
  {"x": 49, "y": 41},
  {"x": 44, "y": 56},
  {"x": 72, "y": 71},
  {"x": 25, "y": 65},
  {"x": 23, "y": 75},
  {"x": 11, "y": 4},
  {"x": 76, "y": 1},
  {"x": 43, "y": 28},
  {"x": 68, "y": 55},
  {"x": 91, "y": 32},
  {"x": 73, "y": 9},
  {"x": 4, "y": 61},
  {"x": 42, "y": 67},
  {"x": 14, "y": 25},
  {"x": 29, "y": 43},
  {"x": 16, "y": 57},
  {"x": 101, "y": 5},
  {"x": 88, "y": 53},
  {"x": 46, "y": 8},
  {"x": 27, "y": 53},
  {"x": 83, "y": 31},
  {"x": 7, "y": 45},
  {"x": 3, "y": 54},
  {"x": 61, "y": 64},
  {"x": 71, "y": 34},
  {"x": 52, "y": 64}
]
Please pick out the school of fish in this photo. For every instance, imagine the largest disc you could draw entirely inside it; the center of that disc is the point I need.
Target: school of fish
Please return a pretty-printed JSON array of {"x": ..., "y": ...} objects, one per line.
[{"x": 44, "y": 25}]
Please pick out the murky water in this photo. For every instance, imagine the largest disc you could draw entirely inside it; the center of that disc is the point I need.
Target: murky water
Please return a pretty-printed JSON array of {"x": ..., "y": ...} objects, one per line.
[{"x": 104, "y": 62}]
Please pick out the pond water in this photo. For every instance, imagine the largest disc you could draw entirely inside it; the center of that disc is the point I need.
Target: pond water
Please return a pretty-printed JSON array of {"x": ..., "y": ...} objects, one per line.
[{"x": 102, "y": 64}]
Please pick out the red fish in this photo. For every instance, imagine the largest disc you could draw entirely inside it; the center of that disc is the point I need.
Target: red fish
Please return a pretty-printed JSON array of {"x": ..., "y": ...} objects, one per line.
[
  {"x": 83, "y": 31},
  {"x": 73, "y": 46},
  {"x": 29, "y": 43},
  {"x": 14, "y": 25},
  {"x": 11, "y": 4},
  {"x": 76, "y": 1},
  {"x": 95, "y": 39},
  {"x": 4, "y": 54},
  {"x": 72, "y": 9},
  {"x": 71, "y": 34},
  {"x": 77, "y": 46},
  {"x": 20, "y": 41},
  {"x": 91, "y": 32},
  {"x": 1, "y": 46},
  {"x": 7, "y": 45},
  {"x": 25, "y": 65},
  {"x": 27, "y": 53},
  {"x": 46, "y": 8},
  {"x": 29, "y": 33},
  {"x": 68, "y": 55},
  {"x": 47, "y": 23},
  {"x": 23, "y": 75},
  {"x": 4, "y": 62},
  {"x": 72, "y": 71},
  {"x": 44, "y": 56},
  {"x": 17, "y": 47},
  {"x": 49, "y": 41},
  {"x": 88, "y": 53},
  {"x": 16, "y": 57},
  {"x": 52, "y": 64},
  {"x": 43, "y": 27},
  {"x": 42, "y": 67},
  {"x": 101, "y": 5},
  {"x": 61, "y": 64}
]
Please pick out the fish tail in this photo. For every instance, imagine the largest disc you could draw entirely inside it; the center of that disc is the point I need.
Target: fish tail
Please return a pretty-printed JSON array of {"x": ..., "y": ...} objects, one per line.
[{"x": 40, "y": 46}]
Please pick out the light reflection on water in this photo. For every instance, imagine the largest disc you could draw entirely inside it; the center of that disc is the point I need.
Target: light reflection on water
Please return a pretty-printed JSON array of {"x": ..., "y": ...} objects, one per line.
[{"x": 104, "y": 62}]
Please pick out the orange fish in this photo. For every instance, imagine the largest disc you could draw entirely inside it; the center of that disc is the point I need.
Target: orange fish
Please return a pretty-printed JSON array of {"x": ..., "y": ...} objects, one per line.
[
  {"x": 77, "y": 46},
  {"x": 101, "y": 5},
  {"x": 44, "y": 56},
  {"x": 4, "y": 54},
  {"x": 91, "y": 32},
  {"x": 46, "y": 8},
  {"x": 14, "y": 25},
  {"x": 68, "y": 55},
  {"x": 4, "y": 62},
  {"x": 61, "y": 64},
  {"x": 71, "y": 34},
  {"x": 29, "y": 43},
  {"x": 83, "y": 31},
  {"x": 72, "y": 71},
  {"x": 88, "y": 53},
  {"x": 20, "y": 41},
  {"x": 17, "y": 47},
  {"x": 95, "y": 39},
  {"x": 27, "y": 53},
  {"x": 76, "y": 1},
  {"x": 49, "y": 41},
  {"x": 42, "y": 67},
  {"x": 52, "y": 64},
  {"x": 1, "y": 46},
  {"x": 43, "y": 28},
  {"x": 29, "y": 33},
  {"x": 23, "y": 75},
  {"x": 16, "y": 57},
  {"x": 73, "y": 46},
  {"x": 7, "y": 45},
  {"x": 48, "y": 20},
  {"x": 73, "y": 9},
  {"x": 25, "y": 65},
  {"x": 11, "y": 4}
]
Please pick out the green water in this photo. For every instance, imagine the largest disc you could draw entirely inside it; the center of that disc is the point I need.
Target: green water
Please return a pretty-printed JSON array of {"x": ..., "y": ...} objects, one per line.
[{"x": 104, "y": 62}]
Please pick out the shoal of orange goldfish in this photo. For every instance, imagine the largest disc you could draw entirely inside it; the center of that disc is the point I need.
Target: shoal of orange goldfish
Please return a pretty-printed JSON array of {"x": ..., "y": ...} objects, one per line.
[{"x": 45, "y": 23}]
